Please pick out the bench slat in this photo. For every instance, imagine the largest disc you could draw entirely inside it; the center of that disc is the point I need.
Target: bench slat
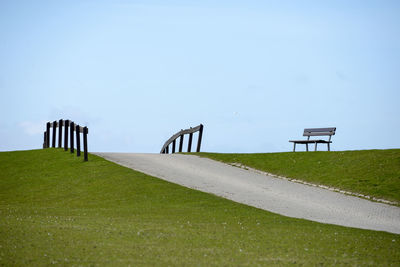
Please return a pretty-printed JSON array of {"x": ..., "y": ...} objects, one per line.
[
  {"x": 329, "y": 129},
  {"x": 319, "y": 131},
  {"x": 309, "y": 141}
]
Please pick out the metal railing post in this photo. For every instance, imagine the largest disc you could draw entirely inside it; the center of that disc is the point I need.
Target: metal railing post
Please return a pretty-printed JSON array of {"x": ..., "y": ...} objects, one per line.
[
  {"x": 173, "y": 146},
  {"x": 190, "y": 142},
  {"x": 181, "y": 143},
  {"x": 200, "y": 137}
]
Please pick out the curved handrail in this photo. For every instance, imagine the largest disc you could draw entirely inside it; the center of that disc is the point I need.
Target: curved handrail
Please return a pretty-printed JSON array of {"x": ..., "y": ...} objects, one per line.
[{"x": 181, "y": 133}]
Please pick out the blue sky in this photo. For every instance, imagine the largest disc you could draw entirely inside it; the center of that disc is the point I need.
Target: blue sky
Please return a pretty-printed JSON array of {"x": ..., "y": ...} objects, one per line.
[{"x": 255, "y": 73}]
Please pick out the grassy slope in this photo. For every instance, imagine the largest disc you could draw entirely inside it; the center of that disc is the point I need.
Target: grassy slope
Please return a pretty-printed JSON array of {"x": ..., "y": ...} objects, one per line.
[
  {"x": 57, "y": 209},
  {"x": 372, "y": 172}
]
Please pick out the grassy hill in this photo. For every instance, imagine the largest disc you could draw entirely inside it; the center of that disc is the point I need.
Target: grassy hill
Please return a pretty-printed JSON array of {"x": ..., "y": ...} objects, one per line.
[
  {"x": 372, "y": 172},
  {"x": 57, "y": 209}
]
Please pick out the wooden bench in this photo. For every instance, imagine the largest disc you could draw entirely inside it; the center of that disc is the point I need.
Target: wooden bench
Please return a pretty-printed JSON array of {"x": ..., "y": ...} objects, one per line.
[{"x": 315, "y": 132}]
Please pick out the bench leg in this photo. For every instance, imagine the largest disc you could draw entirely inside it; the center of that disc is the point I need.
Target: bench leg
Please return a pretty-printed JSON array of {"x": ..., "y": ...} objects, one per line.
[
  {"x": 329, "y": 147},
  {"x": 316, "y": 146},
  {"x": 294, "y": 147},
  {"x": 307, "y": 147}
]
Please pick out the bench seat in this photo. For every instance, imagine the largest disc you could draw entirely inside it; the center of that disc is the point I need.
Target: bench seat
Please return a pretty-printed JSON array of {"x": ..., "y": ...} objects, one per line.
[{"x": 309, "y": 141}]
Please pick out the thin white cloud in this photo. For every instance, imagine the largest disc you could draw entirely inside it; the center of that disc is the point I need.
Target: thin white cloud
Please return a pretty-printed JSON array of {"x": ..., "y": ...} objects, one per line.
[{"x": 33, "y": 128}]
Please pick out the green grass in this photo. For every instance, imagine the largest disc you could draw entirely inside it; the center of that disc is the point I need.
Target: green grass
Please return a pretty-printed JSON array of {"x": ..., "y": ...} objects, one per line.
[
  {"x": 57, "y": 209},
  {"x": 372, "y": 172}
]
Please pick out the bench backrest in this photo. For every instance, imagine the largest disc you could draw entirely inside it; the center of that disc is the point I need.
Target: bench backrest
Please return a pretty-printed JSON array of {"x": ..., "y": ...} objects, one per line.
[{"x": 319, "y": 132}]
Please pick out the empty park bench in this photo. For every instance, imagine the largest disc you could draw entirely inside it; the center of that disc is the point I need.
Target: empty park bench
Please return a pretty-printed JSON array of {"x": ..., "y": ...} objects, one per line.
[{"x": 315, "y": 132}]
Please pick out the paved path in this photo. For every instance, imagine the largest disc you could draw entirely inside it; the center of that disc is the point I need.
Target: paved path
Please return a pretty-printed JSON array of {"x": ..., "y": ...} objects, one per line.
[{"x": 264, "y": 192}]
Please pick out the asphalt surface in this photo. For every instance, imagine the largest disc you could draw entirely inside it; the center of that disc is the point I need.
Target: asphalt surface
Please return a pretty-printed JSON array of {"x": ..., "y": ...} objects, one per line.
[{"x": 265, "y": 192}]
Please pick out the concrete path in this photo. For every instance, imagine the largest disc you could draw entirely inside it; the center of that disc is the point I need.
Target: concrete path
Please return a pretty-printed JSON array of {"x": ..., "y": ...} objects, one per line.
[{"x": 264, "y": 192}]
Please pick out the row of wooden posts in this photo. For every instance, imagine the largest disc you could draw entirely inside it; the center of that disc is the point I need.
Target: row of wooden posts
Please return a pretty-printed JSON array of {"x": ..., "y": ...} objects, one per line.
[
  {"x": 181, "y": 134},
  {"x": 69, "y": 129}
]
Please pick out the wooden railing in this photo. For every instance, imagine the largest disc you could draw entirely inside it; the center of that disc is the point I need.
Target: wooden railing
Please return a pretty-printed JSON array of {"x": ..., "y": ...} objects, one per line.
[
  {"x": 69, "y": 129},
  {"x": 181, "y": 134}
]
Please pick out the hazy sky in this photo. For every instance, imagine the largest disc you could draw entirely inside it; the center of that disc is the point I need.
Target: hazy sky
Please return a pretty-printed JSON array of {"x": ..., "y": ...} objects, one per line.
[{"x": 255, "y": 73}]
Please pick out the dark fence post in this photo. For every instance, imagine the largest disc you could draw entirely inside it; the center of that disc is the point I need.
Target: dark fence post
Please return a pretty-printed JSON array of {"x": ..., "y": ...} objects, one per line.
[
  {"x": 181, "y": 143},
  {"x": 66, "y": 124},
  {"x": 54, "y": 133},
  {"x": 72, "y": 128},
  {"x": 190, "y": 142},
  {"x": 48, "y": 135},
  {"x": 44, "y": 140},
  {"x": 78, "y": 141},
  {"x": 85, "y": 132},
  {"x": 60, "y": 124},
  {"x": 200, "y": 136},
  {"x": 85, "y": 149},
  {"x": 68, "y": 134},
  {"x": 173, "y": 146},
  {"x": 167, "y": 150}
]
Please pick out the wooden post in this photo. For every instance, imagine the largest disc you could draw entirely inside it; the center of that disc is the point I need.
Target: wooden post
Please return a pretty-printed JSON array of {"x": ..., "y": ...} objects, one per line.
[
  {"x": 48, "y": 135},
  {"x": 66, "y": 124},
  {"x": 85, "y": 149},
  {"x": 200, "y": 136},
  {"x": 190, "y": 142},
  {"x": 54, "y": 133},
  {"x": 72, "y": 128},
  {"x": 44, "y": 139},
  {"x": 173, "y": 146},
  {"x": 78, "y": 141},
  {"x": 181, "y": 143},
  {"x": 60, "y": 124},
  {"x": 167, "y": 149}
]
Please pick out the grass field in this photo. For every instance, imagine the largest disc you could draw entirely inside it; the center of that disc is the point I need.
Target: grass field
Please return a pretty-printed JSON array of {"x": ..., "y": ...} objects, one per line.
[
  {"x": 57, "y": 209},
  {"x": 372, "y": 172}
]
